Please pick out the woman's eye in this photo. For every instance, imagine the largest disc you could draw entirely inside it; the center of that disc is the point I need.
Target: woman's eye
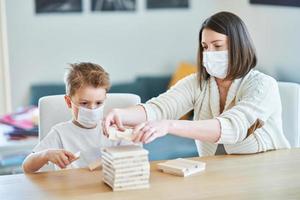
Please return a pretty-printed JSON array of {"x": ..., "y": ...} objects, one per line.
[
  {"x": 99, "y": 103},
  {"x": 83, "y": 103}
]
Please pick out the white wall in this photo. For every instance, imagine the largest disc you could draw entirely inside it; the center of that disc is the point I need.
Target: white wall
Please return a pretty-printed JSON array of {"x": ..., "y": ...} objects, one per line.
[
  {"x": 143, "y": 42},
  {"x": 276, "y": 34},
  {"x": 5, "y": 102}
]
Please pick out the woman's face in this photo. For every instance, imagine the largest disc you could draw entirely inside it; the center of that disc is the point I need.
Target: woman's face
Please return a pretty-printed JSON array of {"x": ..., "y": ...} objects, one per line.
[{"x": 214, "y": 41}]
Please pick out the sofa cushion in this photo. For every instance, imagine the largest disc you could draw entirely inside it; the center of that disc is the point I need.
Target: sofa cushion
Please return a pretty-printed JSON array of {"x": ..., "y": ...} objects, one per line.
[
  {"x": 39, "y": 90},
  {"x": 183, "y": 70},
  {"x": 131, "y": 87},
  {"x": 153, "y": 85},
  {"x": 171, "y": 147}
]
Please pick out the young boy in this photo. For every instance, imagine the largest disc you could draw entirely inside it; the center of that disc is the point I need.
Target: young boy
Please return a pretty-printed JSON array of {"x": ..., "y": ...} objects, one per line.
[{"x": 86, "y": 88}]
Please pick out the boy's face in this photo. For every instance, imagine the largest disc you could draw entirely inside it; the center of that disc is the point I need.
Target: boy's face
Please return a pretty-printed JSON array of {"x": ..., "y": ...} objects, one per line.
[{"x": 87, "y": 97}]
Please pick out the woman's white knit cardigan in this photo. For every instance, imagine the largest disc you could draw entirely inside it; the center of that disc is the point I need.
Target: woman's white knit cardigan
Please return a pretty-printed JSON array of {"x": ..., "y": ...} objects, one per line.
[{"x": 254, "y": 97}]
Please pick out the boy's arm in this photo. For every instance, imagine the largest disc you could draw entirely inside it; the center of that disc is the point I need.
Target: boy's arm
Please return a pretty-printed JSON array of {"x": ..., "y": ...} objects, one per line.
[
  {"x": 35, "y": 161},
  {"x": 59, "y": 157},
  {"x": 49, "y": 149}
]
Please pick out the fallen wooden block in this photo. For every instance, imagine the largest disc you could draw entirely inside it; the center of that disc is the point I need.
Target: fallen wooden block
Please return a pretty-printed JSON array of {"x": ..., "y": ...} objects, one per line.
[
  {"x": 181, "y": 167},
  {"x": 95, "y": 165}
]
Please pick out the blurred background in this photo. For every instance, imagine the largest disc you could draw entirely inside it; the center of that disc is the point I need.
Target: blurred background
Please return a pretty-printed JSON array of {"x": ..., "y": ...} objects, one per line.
[{"x": 139, "y": 42}]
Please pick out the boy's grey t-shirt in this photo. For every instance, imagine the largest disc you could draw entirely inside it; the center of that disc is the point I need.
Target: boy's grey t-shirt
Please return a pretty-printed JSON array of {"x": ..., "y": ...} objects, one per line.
[{"x": 68, "y": 136}]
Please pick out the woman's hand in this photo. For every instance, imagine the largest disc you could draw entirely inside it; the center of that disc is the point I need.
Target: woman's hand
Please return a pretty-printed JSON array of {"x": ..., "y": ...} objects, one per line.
[
  {"x": 112, "y": 118},
  {"x": 60, "y": 157},
  {"x": 149, "y": 131}
]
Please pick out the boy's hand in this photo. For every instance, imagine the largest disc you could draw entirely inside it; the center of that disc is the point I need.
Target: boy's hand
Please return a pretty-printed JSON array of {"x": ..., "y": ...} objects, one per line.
[{"x": 60, "y": 157}]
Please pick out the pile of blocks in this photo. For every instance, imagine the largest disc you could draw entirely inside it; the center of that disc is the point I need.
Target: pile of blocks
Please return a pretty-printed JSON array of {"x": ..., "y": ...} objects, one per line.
[{"x": 126, "y": 167}]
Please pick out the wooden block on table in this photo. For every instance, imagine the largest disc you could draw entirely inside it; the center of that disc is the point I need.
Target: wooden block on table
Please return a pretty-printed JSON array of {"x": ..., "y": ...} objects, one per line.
[
  {"x": 182, "y": 167},
  {"x": 95, "y": 165}
]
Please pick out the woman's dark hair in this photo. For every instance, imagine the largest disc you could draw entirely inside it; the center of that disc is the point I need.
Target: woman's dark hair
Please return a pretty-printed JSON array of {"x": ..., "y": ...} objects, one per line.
[{"x": 241, "y": 51}]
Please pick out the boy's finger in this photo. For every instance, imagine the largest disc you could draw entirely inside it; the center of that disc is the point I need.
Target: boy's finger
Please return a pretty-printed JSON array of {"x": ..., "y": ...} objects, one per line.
[
  {"x": 65, "y": 160},
  {"x": 70, "y": 155},
  {"x": 60, "y": 163},
  {"x": 76, "y": 155}
]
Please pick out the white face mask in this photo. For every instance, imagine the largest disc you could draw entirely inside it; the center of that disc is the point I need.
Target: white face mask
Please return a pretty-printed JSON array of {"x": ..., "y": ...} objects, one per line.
[
  {"x": 89, "y": 118},
  {"x": 216, "y": 63}
]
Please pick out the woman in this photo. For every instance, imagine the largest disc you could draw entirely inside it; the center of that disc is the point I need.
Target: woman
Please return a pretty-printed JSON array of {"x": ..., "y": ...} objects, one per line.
[{"x": 237, "y": 110}]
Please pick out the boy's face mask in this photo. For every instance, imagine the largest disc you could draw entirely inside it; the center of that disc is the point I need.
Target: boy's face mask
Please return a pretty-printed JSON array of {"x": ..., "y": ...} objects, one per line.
[
  {"x": 89, "y": 118},
  {"x": 216, "y": 63}
]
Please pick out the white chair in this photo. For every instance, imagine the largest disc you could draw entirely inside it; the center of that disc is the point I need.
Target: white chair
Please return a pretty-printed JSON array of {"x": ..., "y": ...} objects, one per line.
[
  {"x": 53, "y": 109},
  {"x": 290, "y": 100}
]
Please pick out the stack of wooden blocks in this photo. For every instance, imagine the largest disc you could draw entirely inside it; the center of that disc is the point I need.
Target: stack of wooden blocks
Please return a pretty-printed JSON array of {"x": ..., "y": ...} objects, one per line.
[{"x": 126, "y": 167}]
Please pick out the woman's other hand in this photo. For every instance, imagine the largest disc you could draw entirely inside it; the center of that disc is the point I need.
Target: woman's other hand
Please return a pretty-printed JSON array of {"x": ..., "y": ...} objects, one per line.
[{"x": 148, "y": 131}]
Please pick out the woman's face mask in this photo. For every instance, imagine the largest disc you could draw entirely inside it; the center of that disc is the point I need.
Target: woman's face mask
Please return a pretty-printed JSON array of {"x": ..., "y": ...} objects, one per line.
[
  {"x": 89, "y": 118},
  {"x": 216, "y": 63}
]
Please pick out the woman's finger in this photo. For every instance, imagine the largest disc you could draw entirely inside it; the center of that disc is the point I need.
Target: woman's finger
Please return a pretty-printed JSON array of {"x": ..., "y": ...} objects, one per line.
[
  {"x": 138, "y": 137},
  {"x": 103, "y": 128},
  {"x": 147, "y": 134},
  {"x": 137, "y": 128},
  {"x": 145, "y": 128},
  {"x": 107, "y": 123},
  {"x": 137, "y": 132},
  {"x": 151, "y": 138},
  {"x": 119, "y": 123}
]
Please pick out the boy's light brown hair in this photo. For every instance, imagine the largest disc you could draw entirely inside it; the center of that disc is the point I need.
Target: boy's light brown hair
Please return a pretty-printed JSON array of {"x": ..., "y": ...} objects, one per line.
[{"x": 85, "y": 74}]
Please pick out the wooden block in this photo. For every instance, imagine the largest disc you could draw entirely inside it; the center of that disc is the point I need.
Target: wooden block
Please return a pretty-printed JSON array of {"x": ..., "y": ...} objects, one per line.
[
  {"x": 115, "y": 134},
  {"x": 181, "y": 167},
  {"x": 125, "y": 151},
  {"x": 132, "y": 187},
  {"x": 95, "y": 165},
  {"x": 127, "y": 161}
]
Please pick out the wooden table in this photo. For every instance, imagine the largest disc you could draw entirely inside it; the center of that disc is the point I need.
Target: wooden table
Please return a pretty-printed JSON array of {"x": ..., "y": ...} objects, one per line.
[{"x": 271, "y": 175}]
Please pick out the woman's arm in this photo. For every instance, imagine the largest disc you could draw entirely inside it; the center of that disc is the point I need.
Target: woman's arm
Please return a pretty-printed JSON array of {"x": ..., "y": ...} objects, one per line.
[
  {"x": 173, "y": 104},
  {"x": 204, "y": 130},
  {"x": 231, "y": 126}
]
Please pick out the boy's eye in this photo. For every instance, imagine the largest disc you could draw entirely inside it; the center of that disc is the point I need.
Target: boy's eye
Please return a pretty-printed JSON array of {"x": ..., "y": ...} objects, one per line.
[
  {"x": 83, "y": 103},
  {"x": 99, "y": 103}
]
